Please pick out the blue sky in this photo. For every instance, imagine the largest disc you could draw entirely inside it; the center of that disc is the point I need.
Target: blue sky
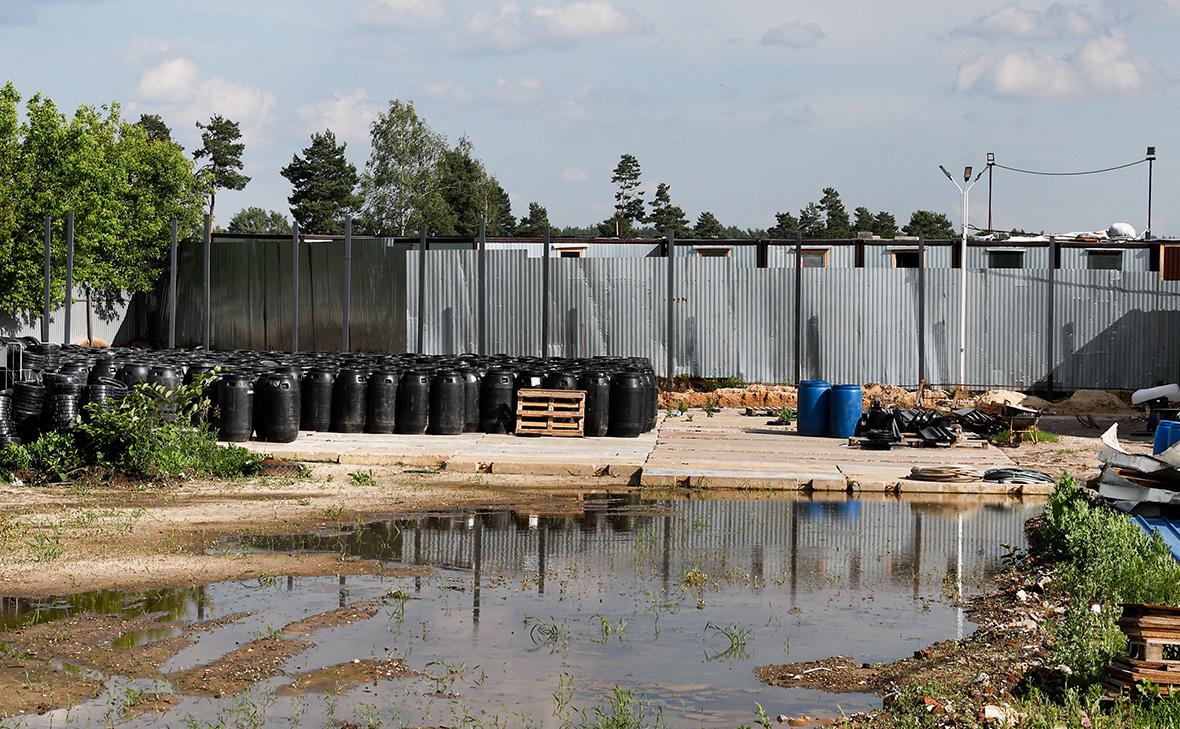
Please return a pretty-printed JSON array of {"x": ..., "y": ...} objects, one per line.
[{"x": 745, "y": 108}]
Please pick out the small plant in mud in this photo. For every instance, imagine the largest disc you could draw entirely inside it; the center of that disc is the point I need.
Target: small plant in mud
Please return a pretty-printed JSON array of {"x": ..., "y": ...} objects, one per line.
[
  {"x": 333, "y": 513},
  {"x": 363, "y": 478},
  {"x": 786, "y": 416},
  {"x": 444, "y": 683},
  {"x": 547, "y": 632},
  {"x": 682, "y": 407},
  {"x": 562, "y": 697},
  {"x": 607, "y": 628},
  {"x": 695, "y": 579},
  {"x": 624, "y": 710},
  {"x": 268, "y": 633},
  {"x": 711, "y": 406}
]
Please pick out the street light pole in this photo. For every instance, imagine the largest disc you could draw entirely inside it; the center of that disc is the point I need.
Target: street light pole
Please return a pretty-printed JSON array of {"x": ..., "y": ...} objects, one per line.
[
  {"x": 965, "y": 196},
  {"x": 1150, "y": 170}
]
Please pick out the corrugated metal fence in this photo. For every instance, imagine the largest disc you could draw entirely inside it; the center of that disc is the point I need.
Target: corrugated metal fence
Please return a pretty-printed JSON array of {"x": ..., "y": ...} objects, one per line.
[{"x": 1104, "y": 329}]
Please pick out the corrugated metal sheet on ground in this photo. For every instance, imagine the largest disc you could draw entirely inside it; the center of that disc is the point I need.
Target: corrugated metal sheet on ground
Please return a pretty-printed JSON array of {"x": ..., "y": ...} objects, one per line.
[{"x": 1168, "y": 530}]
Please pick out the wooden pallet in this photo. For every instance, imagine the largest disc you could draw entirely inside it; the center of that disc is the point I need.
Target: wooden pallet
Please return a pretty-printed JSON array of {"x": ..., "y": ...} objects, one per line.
[
  {"x": 1149, "y": 628},
  {"x": 552, "y": 413},
  {"x": 913, "y": 441}
]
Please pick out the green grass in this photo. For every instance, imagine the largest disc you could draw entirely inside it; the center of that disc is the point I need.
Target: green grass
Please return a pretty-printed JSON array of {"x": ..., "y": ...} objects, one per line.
[{"x": 1043, "y": 436}]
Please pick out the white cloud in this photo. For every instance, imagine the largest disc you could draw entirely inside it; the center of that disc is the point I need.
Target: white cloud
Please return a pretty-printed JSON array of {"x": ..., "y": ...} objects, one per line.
[
  {"x": 790, "y": 116},
  {"x": 506, "y": 91},
  {"x": 794, "y": 34},
  {"x": 170, "y": 81},
  {"x": 178, "y": 87},
  {"x": 574, "y": 174},
  {"x": 1014, "y": 20},
  {"x": 513, "y": 27},
  {"x": 347, "y": 115},
  {"x": 402, "y": 13},
  {"x": 1102, "y": 65},
  {"x": 143, "y": 47}
]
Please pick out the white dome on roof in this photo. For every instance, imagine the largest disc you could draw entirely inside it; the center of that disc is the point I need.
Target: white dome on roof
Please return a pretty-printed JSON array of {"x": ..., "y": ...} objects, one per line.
[{"x": 1121, "y": 230}]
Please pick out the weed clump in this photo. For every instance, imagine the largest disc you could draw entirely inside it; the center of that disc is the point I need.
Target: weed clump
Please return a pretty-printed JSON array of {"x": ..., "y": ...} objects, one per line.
[{"x": 151, "y": 434}]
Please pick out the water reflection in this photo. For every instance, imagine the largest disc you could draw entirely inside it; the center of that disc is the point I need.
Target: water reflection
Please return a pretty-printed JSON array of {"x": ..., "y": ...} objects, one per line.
[{"x": 873, "y": 578}]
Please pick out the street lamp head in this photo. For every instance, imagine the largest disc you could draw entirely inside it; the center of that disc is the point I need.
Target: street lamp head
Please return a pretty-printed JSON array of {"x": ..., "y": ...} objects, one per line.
[
  {"x": 945, "y": 172},
  {"x": 991, "y": 158},
  {"x": 1151, "y": 153},
  {"x": 967, "y": 173}
]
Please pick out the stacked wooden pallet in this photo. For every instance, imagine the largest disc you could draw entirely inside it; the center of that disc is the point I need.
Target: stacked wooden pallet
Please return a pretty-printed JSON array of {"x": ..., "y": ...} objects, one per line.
[
  {"x": 555, "y": 413},
  {"x": 1153, "y": 632}
]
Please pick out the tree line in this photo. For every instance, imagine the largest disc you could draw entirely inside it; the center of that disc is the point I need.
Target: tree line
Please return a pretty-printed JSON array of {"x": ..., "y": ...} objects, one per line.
[{"x": 126, "y": 181}]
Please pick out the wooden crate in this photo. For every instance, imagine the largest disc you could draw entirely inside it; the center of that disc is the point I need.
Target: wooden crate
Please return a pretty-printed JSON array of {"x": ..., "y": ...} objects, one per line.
[
  {"x": 554, "y": 413},
  {"x": 1149, "y": 628}
]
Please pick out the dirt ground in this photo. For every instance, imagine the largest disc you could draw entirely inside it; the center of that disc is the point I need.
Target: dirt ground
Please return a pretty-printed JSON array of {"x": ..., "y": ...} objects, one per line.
[
  {"x": 1001, "y": 658},
  {"x": 63, "y": 540}
]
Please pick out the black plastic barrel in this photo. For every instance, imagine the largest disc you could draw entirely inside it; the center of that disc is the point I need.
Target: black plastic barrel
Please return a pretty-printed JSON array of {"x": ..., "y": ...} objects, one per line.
[
  {"x": 381, "y": 398},
  {"x": 560, "y": 380},
  {"x": 471, "y": 392},
  {"x": 316, "y": 400},
  {"x": 164, "y": 376},
  {"x": 628, "y": 409},
  {"x": 597, "y": 388},
  {"x": 106, "y": 367},
  {"x": 235, "y": 406},
  {"x": 497, "y": 402},
  {"x": 447, "y": 395},
  {"x": 651, "y": 400},
  {"x": 413, "y": 403},
  {"x": 133, "y": 373},
  {"x": 348, "y": 401},
  {"x": 277, "y": 403}
]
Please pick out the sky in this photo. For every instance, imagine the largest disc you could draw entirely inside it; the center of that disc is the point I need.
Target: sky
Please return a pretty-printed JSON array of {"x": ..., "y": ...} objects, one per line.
[{"x": 744, "y": 108}]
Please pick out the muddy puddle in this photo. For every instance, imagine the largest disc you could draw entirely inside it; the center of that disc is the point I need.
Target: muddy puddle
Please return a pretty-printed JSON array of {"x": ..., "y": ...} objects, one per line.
[{"x": 530, "y": 619}]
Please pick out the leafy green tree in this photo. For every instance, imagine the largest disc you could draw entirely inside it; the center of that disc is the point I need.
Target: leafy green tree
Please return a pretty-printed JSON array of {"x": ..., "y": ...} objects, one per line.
[
  {"x": 836, "y": 223},
  {"x": 629, "y": 207},
  {"x": 535, "y": 223},
  {"x": 471, "y": 193},
  {"x": 930, "y": 224},
  {"x": 221, "y": 145},
  {"x": 786, "y": 227},
  {"x": 885, "y": 225},
  {"x": 668, "y": 217},
  {"x": 123, "y": 187},
  {"x": 323, "y": 186},
  {"x": 157, "y": 130},
  {"x": 811, "y": 221},
  {"x": 260, "y": 220},
  {"x": 401, "y": 179},
  {"x": 708, "y": 226}
]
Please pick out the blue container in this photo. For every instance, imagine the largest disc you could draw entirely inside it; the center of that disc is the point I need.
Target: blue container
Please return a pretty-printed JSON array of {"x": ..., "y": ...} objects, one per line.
[
  {"x": 1166, "y": 434},
  {"x": 844, "y": 408},
  {"x": 813, "y": 407}
]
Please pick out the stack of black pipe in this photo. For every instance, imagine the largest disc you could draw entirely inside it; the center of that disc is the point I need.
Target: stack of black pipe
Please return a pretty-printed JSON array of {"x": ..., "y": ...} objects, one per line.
[{"x": 272, "y": 396}]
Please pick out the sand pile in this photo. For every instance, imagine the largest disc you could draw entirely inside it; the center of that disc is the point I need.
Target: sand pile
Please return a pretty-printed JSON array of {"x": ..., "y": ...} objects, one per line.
[
  {"x": 1086, "y": 402},
  {"x": 995, "y": 400},
  {"x": 753, "y": 396}
]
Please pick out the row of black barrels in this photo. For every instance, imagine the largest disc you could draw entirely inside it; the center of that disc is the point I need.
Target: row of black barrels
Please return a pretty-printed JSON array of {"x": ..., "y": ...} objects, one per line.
[
  {"x": 32, "y": 408},
  {"x": 277, "y": 405}
]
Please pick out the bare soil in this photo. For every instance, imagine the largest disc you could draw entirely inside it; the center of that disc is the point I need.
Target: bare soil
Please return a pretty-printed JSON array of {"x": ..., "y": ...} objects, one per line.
[
  {"x": 1001, "y": 658},
  {"x": 344, "y": 676}
]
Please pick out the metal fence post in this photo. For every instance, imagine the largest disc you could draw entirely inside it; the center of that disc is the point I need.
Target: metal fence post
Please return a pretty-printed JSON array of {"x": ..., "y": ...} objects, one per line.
[
  {"x": 69, "y": 277},
  {"x": 670, "y": 372},
  {"x": 421, "y": 289},
  {"x": 295, "y": 287},
  {"x": 48, "y": 279},
  {"x": 1052, "y": 295},
  {"x": 798, "y": 307},
  {"x": 172, "y": 287},
  {"x": 545, "y": 294},
  {"x": 482, "y": 290},
  {"x": 208, "y": 268},
  {"x": 921, "y": 313},
  {"x": 346, "y": 328}
]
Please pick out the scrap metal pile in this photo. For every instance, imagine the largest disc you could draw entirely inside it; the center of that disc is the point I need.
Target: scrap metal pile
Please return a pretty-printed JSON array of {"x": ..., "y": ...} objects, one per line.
[
  {"x": 1139, "y": 484},
  {"x": 882, "y": 427}
]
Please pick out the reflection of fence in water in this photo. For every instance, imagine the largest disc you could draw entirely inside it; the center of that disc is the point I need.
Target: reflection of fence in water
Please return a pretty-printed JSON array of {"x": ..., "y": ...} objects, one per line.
[{"x": 852, "y": 542}]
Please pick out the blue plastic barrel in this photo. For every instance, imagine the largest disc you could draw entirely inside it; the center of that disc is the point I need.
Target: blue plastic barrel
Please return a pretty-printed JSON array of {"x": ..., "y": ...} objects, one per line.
[
  {"x": 1166, "y": 433},
  {"x": 813, "y": 407},
  {"x": 844, "y": 408}
]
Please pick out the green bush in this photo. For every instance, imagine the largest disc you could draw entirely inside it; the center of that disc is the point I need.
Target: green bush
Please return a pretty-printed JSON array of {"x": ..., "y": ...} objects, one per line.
[
  {"x": 149, "y": 434},
  {"x": 1101, "y": 558}
]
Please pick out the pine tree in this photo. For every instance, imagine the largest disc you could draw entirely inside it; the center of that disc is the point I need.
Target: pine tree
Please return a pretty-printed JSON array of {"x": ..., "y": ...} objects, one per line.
[
  {"x": 930, "y": 225},
  {"x": 323, "y": 184},
  {"x": 628, "y": 198},
  {"x": 836, "y": 223},
  {"x": 708, "y": 226},
  {"x": 811, "y": 221},
  {"x": 863, "y": 221},
  {"x": 885, "y": 225},
  {"x": 221, "y": 145},
  {"x": 535, "y": 223},
  {"x": 668, "y": 217},
  {"x": 157, "y": 130},
  {"x": 786, "y": 227}
]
